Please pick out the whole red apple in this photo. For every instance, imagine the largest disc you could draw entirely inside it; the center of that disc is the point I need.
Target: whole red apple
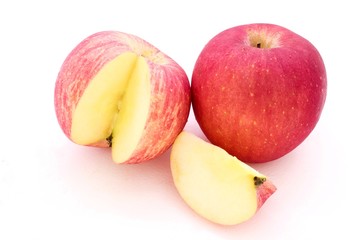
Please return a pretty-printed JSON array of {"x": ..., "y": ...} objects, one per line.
[
  {"x": 258, "y": 91},
  {"x": 117, "y": 90}
]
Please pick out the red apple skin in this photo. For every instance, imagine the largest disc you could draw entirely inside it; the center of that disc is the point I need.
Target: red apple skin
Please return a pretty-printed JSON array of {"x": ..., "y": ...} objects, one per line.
[
  {"x": 258, "y": 103},
  {"x": 170, "y": 89},
  {"x": 264, "y": 191}
]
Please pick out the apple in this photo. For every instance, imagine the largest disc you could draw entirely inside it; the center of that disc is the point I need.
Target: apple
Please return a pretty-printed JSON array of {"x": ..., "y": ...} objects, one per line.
[
  {"x": 214, "y": 184},
  {"x": 258, "y": 91},
  {"x": 116, "y": 90}
]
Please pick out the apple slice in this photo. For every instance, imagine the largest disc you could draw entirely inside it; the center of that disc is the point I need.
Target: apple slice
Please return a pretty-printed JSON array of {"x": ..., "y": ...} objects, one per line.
[{"x": 215, "y": 184}]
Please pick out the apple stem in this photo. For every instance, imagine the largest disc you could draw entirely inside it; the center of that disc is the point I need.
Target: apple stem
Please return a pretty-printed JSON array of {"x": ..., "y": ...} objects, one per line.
[
  {"x": 258, "y": 45},
  {"x": 259, "y": 180},
  {"x": 109, "y": 140}
]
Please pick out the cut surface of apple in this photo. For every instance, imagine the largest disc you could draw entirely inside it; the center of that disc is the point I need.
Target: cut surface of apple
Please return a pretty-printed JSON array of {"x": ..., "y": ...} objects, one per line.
[
  {"x": 115, "y": 106},
  {"x": 215, "y": 184}
]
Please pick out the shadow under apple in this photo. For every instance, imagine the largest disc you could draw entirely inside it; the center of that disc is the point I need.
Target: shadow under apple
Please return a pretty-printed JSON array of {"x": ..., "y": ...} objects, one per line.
[{"x": 93, "y": 182}]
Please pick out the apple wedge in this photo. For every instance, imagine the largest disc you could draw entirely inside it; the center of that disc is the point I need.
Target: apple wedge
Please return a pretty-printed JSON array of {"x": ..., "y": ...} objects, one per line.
[
  {"x": 215, "y": 184},
  {"x": 116, "y": 90}
]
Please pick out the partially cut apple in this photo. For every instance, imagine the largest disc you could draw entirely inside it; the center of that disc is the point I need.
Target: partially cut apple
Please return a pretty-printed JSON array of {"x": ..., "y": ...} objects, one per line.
[
  {"x": 116, "y": 90},
  {"x": 215, "y": 184}
]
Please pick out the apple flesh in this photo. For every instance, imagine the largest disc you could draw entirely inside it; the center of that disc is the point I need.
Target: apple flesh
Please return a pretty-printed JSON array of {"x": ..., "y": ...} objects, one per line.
[
  {"x": 258, "y": 91},
  {"x": 116, "y": 90},
  {"x": 215, "y": 184}
]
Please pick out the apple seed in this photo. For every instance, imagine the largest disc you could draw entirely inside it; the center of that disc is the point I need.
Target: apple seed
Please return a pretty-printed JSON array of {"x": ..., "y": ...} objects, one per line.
[
  {"x": 109, "y": 140},
  {"x": 259, "y": 180}
]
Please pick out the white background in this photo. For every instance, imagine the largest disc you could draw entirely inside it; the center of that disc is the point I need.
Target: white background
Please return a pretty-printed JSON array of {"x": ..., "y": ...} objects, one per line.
[{"x": 51, "y": 188}]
